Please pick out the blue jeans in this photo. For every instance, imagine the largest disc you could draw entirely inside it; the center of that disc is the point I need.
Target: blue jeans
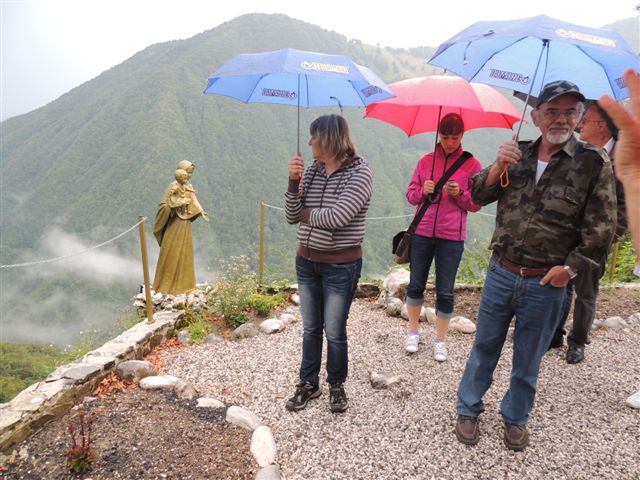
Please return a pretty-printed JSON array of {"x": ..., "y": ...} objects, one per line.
[
  {"x": 536, "y": 309},
  {"x": 448, "y": 254},
  {"x": 326, "y": 292}
]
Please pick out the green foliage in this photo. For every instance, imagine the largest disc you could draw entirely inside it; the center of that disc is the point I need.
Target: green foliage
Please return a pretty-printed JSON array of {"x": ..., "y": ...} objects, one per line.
[
  {"x": 232, "y": 289},
  {"x": 263, "y": 304},
  {"x": 25, "y": 364},
  {"x": 196, "y": 323},
  {"x": 199, "y": 329},
  {"x": 238, "y": 319},
  {"x": 626, "y": 261},
  {"x": 80, "y": 456},
  {"x": 475, "y": 264}
]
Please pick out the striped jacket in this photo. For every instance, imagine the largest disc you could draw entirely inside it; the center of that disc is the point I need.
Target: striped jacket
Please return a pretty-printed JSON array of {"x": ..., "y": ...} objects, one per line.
[{"x": 331, "y": 210}]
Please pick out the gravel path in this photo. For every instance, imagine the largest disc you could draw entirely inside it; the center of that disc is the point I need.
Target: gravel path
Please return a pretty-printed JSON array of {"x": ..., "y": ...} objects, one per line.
[{"x": 580, "y": 427}]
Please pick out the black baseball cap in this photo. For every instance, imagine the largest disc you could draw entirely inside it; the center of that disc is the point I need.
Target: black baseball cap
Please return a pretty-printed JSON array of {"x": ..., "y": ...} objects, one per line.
[{"x": 553, "y": 90}]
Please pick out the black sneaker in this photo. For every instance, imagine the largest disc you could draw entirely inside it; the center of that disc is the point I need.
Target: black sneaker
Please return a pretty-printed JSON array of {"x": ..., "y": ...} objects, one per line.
[
  {"x": 337, "y": 398},
  {"x": 305, "y": 391}
]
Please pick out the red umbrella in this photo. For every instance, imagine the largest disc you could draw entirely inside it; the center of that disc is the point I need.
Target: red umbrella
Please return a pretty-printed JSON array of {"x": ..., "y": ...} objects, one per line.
[{"x": 421, "y": 102}]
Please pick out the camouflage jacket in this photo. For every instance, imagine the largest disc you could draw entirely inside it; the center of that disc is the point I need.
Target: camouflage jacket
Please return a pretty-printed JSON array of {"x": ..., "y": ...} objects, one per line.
[{"x": 567, "y": 218}]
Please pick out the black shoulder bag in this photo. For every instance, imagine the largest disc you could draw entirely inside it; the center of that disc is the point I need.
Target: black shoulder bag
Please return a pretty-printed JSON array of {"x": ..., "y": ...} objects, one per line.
[{"x": 402, "y": 240}]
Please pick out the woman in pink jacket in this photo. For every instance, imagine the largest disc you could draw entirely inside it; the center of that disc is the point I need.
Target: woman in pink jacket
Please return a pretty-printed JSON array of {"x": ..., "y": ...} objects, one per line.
[{"x": 441, "y": 231}]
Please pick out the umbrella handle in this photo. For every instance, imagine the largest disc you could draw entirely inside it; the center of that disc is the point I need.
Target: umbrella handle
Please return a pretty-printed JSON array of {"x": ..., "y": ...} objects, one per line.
[{"x": 504, "y": 177}]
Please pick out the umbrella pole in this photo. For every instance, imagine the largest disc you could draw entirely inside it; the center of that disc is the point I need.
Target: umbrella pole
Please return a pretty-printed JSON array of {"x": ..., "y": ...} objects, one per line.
[
  {"x": 545, "y": 46},
  {"x": 504, "y": 176},
  {"x": 298, "y": 138},
  {"x": 433, "y": 165}
]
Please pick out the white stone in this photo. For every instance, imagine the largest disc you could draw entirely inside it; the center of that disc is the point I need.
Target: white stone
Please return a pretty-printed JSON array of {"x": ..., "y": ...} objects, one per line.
[
  {"x": 394, "y": 306},
  {"x": 615, "y": 323},
  {"x": 213, "y": 338},
  {"x": 288, "y": 318},
  {"x": 462, "y": 324},
  {"x": 380, "y": 380},
  {"x": 242, "y": 418},
  {"x": 292, "y": 310},
  {"x": 431, "y": 315},
  {"x": 382, "y": 298},
  {"x": 634, "y": 400},
  {"x": 184, "y": 337},
  {"x": 272, "y": 325},
  {"x": 263, "y": 446},
  {"x": 135, "y": 370},
  {"x": 206, "y": 402},
  {"x": 396, "y": 282},
  {"x": 158, "y": 382},
  {"x": 270, "y": 472},
  {"x": 245, "y": 330},
  {"x": 295, "y": 299},
  {"x": 157, "y": 298},
  {"x": 184, "y": 390},
  {"x": 634, "y": 319}
]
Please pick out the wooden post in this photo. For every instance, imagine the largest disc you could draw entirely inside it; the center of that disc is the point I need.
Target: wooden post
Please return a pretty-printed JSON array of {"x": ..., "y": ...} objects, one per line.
[
  {"x": 261, "y": 271},
  {"x": 614, "y": 260},
  {"x": 145, "y": 270}
]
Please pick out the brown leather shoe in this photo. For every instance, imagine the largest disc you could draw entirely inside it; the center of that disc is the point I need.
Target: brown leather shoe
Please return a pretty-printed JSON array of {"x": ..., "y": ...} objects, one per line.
[
  {"x": 467, "y": 430},
  {"x": 516, "y": 437}
]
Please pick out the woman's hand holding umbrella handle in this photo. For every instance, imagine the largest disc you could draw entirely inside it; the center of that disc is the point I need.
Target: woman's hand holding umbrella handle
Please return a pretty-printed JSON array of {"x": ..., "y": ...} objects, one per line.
[{"x": 296, "y": 168}]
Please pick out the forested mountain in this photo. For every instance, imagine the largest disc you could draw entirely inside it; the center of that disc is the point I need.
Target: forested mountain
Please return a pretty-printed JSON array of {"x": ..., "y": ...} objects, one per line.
[{"x": 92, "y": 160}]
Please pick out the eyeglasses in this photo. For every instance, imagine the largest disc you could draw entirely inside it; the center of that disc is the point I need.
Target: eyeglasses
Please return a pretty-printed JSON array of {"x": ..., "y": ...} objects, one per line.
[
  {"x": 585, "y": 120},
  {"x": 552, "y": 114}
]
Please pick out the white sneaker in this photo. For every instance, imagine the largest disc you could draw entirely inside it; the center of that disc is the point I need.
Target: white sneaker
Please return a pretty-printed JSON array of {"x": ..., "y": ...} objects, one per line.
[
  {"x": 634, "y": 400},
  {"x": 440, "y": 351},
  {"x": 411, "y": 343}
]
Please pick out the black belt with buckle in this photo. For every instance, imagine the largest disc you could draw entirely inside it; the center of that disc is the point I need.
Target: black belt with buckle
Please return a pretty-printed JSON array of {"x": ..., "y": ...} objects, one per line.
[{"x": 522, "y": 271}]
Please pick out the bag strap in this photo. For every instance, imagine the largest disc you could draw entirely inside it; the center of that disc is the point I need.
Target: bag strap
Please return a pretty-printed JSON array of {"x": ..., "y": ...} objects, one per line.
[{"x": 431, "y": 198}]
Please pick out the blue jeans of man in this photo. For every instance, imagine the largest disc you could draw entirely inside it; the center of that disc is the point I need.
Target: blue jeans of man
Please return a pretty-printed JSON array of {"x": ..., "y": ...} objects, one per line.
[
  {"x": 447, "y": 254},
  {"x": 326, "y": 293},
  {"x": 536, "y": 309}
]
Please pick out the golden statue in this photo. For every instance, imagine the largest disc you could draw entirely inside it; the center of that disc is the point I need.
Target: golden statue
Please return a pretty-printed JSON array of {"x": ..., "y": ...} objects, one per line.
[{"x": 175, "y": 272}]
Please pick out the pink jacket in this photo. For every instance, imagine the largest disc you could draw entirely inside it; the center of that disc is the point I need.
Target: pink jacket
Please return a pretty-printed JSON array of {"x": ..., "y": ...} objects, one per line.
[{"x": 448, "y": 218}]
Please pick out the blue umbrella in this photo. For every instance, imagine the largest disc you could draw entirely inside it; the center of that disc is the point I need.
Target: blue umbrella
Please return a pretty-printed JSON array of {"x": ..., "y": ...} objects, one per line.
[
  {"x": 524, "y": 55},
  {"x": 298, "y": 78}
]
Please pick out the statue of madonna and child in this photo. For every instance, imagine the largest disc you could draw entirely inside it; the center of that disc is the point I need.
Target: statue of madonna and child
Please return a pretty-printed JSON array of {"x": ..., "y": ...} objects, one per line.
[{"x": 175, "y": 272}]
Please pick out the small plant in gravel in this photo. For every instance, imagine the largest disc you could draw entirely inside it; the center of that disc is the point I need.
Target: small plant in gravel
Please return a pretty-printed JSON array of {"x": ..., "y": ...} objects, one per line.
[
  {"x": 199, "y": 329},
  {"x": 233, "y": 289},
  {"x": 80, "y": 456}
]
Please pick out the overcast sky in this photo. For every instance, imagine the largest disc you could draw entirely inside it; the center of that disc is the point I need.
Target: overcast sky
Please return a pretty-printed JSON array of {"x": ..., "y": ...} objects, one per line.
[{"x": 50, "y": 46}]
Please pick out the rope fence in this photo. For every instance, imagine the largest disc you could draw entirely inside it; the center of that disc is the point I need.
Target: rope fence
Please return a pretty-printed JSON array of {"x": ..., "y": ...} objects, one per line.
[{"x": 50, "y": 260}]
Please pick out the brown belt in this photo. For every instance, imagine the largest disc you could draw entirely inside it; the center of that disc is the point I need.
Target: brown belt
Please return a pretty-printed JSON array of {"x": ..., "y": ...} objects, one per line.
[{"x": 522, "y": 271}]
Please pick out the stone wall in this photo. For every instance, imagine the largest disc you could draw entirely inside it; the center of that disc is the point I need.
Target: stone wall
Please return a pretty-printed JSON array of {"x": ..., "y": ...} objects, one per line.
[{"x": 64, "y": 387}]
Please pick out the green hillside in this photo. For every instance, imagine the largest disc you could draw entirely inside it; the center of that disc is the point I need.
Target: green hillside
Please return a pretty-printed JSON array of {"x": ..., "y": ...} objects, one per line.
[{"x": 92, "y": 160}]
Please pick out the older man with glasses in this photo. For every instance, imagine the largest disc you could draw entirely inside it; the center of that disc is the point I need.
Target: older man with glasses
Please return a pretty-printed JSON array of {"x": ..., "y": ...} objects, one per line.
[
  {"x": 553, "y": 221},
  {"x": 598, "y": 129}
]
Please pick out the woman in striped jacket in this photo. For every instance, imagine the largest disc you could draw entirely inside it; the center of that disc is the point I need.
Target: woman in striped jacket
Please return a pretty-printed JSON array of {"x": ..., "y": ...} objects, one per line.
[{"x": 329, "y": 201}]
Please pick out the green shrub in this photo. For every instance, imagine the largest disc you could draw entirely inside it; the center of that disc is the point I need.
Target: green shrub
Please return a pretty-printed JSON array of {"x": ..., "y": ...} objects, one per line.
[
  {"x": 625, "y": 263},
  {"x": 263, "y": 304},
  {"x": 233, "y": 289},
  {"x": 199, "y": 330},
  {"x": 474, "y": 265},
  {"x": 238, "y": 319}
]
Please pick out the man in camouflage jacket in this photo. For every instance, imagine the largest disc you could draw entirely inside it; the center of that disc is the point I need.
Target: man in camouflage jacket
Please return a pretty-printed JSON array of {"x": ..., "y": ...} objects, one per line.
[{"x": 555, "y": 218}]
